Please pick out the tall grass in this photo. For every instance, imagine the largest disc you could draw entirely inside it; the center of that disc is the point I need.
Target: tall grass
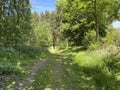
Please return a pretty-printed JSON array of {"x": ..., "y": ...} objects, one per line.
[
  {"x": 89, "y": 59},
  {"x": 95, "y": 70},
  {"x": 15, "y": 61}
]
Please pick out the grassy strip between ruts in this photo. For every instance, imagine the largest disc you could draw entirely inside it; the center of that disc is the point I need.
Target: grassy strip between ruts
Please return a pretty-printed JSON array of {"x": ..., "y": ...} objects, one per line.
[{"x": 51, "y": 76}]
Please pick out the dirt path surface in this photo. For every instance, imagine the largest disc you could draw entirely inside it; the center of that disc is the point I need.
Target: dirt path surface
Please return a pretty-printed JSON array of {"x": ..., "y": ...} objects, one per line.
[
  {"x": 55, "y": 63},
  {"x": 58, "y": 74},
  {"x": 24, "y": 83},
  {"x": 60, "y": 80}
]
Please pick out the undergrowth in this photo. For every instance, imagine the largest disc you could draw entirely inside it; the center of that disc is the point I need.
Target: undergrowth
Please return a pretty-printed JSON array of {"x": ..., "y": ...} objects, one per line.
[
  {"x": 94, "y": 70},
  {"x": 17, "y": 61}
]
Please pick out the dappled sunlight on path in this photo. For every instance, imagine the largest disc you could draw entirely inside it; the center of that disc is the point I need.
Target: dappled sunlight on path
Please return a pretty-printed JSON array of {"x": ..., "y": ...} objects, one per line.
[
  {"x": 46, "y": 74},
  {"x": 52, "y": 77},
  {"x": 24, "y": 83}
]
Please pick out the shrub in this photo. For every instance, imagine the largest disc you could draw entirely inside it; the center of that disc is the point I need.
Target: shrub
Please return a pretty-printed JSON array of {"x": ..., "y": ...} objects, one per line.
[
  {"x": 8, "y": 68},
  {"x": 32, "y": 51},
  {"x": 8, "y": 52},
  {"x": 110, "y": 37},
  {"x": 8, "y": 59},
  {"x": 89, "y": 38},
  {"x": 98, "y": 69},
  {"x": 94, "y": 46}
]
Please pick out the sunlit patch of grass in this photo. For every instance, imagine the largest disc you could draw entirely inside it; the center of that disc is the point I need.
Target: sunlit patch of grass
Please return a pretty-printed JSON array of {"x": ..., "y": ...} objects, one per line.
[
  {"x": 18, "y": 61},
  {"x": 89, "y": 59},
  {"x": 94, "y": 70},
  {"x": 8, "y": 85},
  {"x": 42, "y": 80}
]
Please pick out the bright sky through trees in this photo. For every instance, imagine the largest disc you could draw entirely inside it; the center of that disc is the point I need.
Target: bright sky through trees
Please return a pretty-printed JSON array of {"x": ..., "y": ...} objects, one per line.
[
  {"x": 43, "y": 5},
  {"x": 116, "y": 24}
]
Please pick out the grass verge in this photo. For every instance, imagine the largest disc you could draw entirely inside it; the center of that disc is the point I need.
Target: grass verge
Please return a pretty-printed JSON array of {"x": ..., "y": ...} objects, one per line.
[
  {"x": 94, "y": 70},
  {"x": 17, "y": 62}
]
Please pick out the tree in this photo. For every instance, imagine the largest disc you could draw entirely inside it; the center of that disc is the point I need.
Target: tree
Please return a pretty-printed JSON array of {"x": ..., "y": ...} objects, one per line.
[
  {"x": 55, "y": 22},
  {"x": 96, "y": 20},
  {"x": 15, "y": 24},
  {"x": 41, "y": 30},
  {"x": 80, "y": 16}
]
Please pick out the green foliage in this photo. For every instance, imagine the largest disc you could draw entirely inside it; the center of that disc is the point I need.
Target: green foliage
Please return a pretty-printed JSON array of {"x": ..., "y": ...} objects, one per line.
[
  {"x": 117, "y": 37},
  {"x": 94, "y": 70},
  {"x": 14, "y": 61},
  {"x": 79, "y": 16},
  {"x": 25, "y": 37},
  {"x": 89, "y": 38},
  {"x": 15, "y": 22},
  {"x": 63, "y": 44},
  {"x": 32, "y": 52},
  {"x": 9, "y": 68},
  {"x": 89, "y": 59},
  {"x": 8, "y": 60},
  {"x": 94, "y": 46},
  {"x": 110, "y": 37},
  {"x": 42, "y": 79},
  {"x": 8, "y": 53},
  {"x": 46, "y": 28},
  {"x": 42, "y": 35}
]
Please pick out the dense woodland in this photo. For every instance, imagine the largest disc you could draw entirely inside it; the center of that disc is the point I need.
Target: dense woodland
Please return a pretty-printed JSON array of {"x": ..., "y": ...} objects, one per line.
[
  {"x": 73, "y": 22},
  {"x": 78, "y": 32}
]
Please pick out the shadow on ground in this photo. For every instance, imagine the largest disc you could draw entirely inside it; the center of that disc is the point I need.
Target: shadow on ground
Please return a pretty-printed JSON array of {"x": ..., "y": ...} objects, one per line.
[
  {"x": 60, "y": 73},
  {"x": 51, "y": 76},
  {"x": 106, "y": 77}
]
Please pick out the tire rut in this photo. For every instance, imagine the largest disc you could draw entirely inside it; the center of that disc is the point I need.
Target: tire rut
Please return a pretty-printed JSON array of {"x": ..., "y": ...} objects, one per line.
[{"x": 24, "y": 83}]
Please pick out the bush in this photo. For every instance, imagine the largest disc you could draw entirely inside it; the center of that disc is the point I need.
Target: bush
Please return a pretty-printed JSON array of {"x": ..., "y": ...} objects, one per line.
[
  {"x": 8, "y": 68},
  {"x": 97, "y": 69},
  {"x": 32, "y": 51},
  {"x": 117, "y": 38},
  {"x": 24, "y": 54},
  {"x": 89, "y": 38},
  {"x": 94, "y": 46},
  {"x": 8, "y": 60},
  {"x": 8, "y": 52},
  {"x": 63, "y": 44},
  {"x": 109, "y": 40}
]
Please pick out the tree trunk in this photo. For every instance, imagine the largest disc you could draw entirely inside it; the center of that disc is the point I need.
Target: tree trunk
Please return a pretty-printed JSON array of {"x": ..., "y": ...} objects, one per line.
[
  {"x": 54, "y": 40},
  {"x": 1, "y": 19},
  {"x": 96, "y": 20}
]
